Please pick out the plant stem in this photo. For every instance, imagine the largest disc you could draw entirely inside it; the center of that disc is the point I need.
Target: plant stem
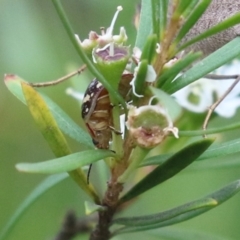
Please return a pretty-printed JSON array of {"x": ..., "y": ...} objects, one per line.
[
  {"x": 136, "y": 158},
  {"x": 111, "y": 198}
]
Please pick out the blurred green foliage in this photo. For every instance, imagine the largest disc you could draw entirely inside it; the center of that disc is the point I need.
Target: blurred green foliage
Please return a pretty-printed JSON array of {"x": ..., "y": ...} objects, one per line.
[{"x": 34, "y": 45}]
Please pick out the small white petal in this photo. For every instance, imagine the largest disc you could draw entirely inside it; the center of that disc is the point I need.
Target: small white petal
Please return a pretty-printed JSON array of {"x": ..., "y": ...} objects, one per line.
[
  {"x": 205, "y": 90},
  {"x": 158, "y": 48},
  {"x": 77, "y": 95},
  {"x": 151, "y": 74},
  {"x": 132, "y": 83},
  {"x": 78, "y": 39},
  {"x": 228, "y": 109},
  {"x": 173, "y": 130},
  {"x": 137, "y": 53}
]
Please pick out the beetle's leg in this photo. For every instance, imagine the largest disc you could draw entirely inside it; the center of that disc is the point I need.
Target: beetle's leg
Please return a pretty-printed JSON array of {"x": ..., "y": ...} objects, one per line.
[
  {"x": 55, "y": 82},
  {"x": 115, "y": 130}
]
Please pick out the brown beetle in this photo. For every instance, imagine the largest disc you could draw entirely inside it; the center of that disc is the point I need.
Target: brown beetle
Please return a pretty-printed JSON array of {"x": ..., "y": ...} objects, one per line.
[{"x": 96, "y": 110}]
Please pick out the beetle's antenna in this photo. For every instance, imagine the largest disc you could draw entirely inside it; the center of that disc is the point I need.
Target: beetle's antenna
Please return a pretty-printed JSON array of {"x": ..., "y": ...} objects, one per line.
[{"x": 88, "y": 173}]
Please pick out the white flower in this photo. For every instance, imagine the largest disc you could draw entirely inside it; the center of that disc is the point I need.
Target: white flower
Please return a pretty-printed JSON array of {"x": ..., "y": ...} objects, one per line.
[
  {"x": 200, "y": 95},
  {"x": 106, "y": 37}
]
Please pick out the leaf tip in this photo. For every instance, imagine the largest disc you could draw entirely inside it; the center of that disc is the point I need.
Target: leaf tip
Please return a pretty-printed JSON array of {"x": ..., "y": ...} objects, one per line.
[
  {"x": 9, "y": 77},
  {"x": 19, "y": 167}
]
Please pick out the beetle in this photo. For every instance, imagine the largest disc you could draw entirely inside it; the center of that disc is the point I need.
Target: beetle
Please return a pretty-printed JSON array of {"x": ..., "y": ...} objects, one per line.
[{"x": 97, "y": 110}]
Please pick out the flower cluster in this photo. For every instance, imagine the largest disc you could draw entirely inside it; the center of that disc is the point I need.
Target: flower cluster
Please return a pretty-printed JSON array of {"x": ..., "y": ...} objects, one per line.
[
  {"x": 148, "y": 124},
  {"x": 201, "y": 94},
  {"x": 105, "y": 38}
]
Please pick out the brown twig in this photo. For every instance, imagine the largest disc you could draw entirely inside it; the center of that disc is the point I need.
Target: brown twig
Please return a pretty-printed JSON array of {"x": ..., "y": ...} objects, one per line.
[
  {"x": 213, "y": 106},
  {"x": 72, "y": 227},
  {"x": 169, "y": 35},
  {"x": 111, "y": 198},
  {"x": 55, "y": 82},
  {"x": 220, "y": 77}
]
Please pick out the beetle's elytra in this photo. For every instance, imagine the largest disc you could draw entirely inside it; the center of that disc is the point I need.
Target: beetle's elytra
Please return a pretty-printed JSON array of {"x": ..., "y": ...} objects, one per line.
[{"x": 96, "y": 110}]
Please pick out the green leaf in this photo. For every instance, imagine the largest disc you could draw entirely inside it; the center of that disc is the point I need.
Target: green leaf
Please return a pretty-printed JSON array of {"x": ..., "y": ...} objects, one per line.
[
  {"x": 169, "y": 168},
  {"x": 145, "y": 24},
  {"x": 43, "y": 187},
  {"x": 182, "y": 6},
  {"x": 155, "y": 17},
  {"x": 45, "y": 121},
  {"x": 140, "y": 78},
  {"x": 167, "y": 101},
  {"x": 167, "y": 215},
  {"x": 179, "y": 214},
  {"x": 216, "y": 150},
  {"x": 171, "y": 233},
  {"x": 209, "y": 131},
  {"x": 65, "y": 123},
  {"x": 54, "y": 137},
  {"x": 230, "y": 22},
  {"x": 149, "y": 50},
  {"x": 221, "y": 150},
  {"x": 161, "y": 7},
  {"x": 223, "y": 55},
  {"x": 92, "y": 208},
  {"x": 192, "y": 19},
  {"x": 189, "y": 9},
  {"x": 169, "y": 74},
  {"x": 215, "y": 165},
  {"x": 66, "y": 163}
]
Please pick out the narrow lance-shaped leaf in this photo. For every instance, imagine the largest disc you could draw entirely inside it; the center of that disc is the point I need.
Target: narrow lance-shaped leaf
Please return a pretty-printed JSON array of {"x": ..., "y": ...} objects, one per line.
[
  {"x": 173, "y": 233},
  {"x": 169, "y": 168},
  {"x": 49, "y": 128},
  {"x": 140, "y": 78},
  {"x": 149, "y": 50},
  {"x": 156, "y": 17},
  {"x": 192, "y": 19},
  {"x": 167, "y": 215},
  {"x": 66, "y": 163},
  {"x": 145, "y": 24},
  {"x": 65, "y": 123},
  {"x": 216, "y": 150},
  {"x": 189, "y": 9},
  {"x": 169, "y": 74},
  {"x": 45, "y": 122},
  {"x": 44, "y": 186},
  {"x": 161, "y": 219},
  {"x": 223, "y": 55},
  {"x": 230, "y": 22},
  {"x": 167, "y": 101},
  {"x": 182, "y": 7},
  {"x": 163, "y": 10},
  {"x": 231, "y": 163}
]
